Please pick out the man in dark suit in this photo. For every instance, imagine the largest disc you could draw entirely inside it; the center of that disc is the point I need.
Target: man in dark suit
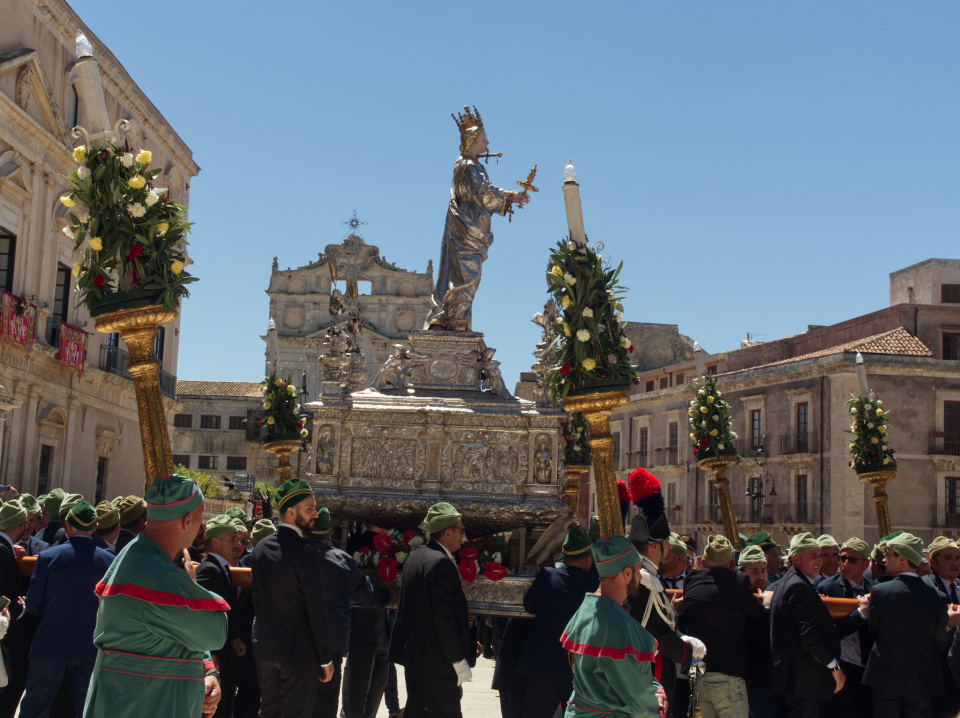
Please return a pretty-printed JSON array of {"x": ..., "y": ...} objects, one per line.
[
  {"x": 213, "y": 574},
  {"x": 133, "y": 518},
  {"x": 908, "y": 622},
  {"x": 290, "y": 636},
  {"x": 108, "y": 527},
  {"x": 720, "y": 610},
  {"x": 51, "y": 507},
  {"x": 61, "y": 600},
  {"x": 764, "y": 703},
  {"x": 13, "y": 526},
  {"x": 431, "y": 635},
  {"x": 553, "y": 598},
  {"x": 854, "y": 700},
  {"x": 30, "y": 542},
  {"x": 246, "y": 704},
  {"x": 944, "y": 557},
  {"x": 803, "y": 643}
]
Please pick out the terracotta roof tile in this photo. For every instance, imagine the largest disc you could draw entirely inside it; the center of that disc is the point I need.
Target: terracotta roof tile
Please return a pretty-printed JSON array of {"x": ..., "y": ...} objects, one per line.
[{"x": 187, "y": 387}]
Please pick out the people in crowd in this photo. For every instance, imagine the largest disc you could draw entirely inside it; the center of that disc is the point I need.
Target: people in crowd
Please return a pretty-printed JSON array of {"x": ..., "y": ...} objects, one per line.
[
  {"x": 133, "y": 518},
  {"x": 673, "y": 566},
  {"x": 431, "y": 635},
  {"x": 246, "y": 703},
  {"x": 553, "y": 597},
  {"x": 108, "y": 527},
  {"x": 944, "y": 560},
  {"x": 16, "y": 644},
  {"x": 764, "y": 702},
  {"x": 51, "y": 509},
  {"x": 720, "y": 608},
  {"x": 611, "y": 653},
  {"x": 829, "y": 557},
  {"x": 771, "y": 550},
  {"x": 31, "y": 542}
]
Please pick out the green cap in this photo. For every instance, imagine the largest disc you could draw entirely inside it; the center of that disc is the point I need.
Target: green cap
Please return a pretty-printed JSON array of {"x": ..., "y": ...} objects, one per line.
[
  {"x": 218, "y": 525},
  {"x": 132, "y": 508},
  {"x": 262, "y": 529},
  {"x": 677, "y": 544},
  {"x": 803, "y": 542},
  {"x": 763, "y": 540},
  {"x": 170, "y": 498},
  {"x": 594, "y": 529},
  {"x": 117, "y": 500},
  {"x": 30, "y": 504},
  {"x": 857, "y": 545},
  {"x": 51, "y": 504},
  {"x": 82, "y": 516},
  {"x": 751, "y": 556},
  {"x": 108, "y": 515},
  {"x": 881, "y": 546},
  {"x": 935, "y": 547},
  {"x": 613, "y": 554},
  {"x": 439, "y": 517},
  {"x": 41, "y": 498},
  {"x": 908, "y": 546},
  {"x": 718, "y": 549},
  {"x": 291, "y": 493},
  {"x": 577, "y": 543},
  {"x": 235, "y": 512},
  {"x": 12, "y": 515},
  {"x": 321, "y": 530},
  {"x": 240, "y": 526},
  {"x": 827, "y": 541},
  {"x": 69, "y": 501}
]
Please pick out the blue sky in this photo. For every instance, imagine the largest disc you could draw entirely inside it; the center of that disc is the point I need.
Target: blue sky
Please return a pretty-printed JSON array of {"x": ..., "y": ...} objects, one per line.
[{"x": 757, "y": 166}]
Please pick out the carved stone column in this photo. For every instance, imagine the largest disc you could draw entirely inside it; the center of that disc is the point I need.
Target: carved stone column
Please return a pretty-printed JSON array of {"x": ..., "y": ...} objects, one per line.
[
  {"x": 878, "y": 480},
  {"x": 719, "y": 465}
]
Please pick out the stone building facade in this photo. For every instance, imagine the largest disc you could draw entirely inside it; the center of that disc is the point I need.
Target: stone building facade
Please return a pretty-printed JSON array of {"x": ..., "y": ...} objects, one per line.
[
  {"x": 788, "y": 397},
  {"x": 58, "y": 429}
]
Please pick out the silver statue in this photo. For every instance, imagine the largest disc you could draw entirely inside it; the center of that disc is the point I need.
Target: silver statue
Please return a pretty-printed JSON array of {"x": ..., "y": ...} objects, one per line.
[
  {"x": 490, "y": 377},
  {"x": 466, "y": 234}
]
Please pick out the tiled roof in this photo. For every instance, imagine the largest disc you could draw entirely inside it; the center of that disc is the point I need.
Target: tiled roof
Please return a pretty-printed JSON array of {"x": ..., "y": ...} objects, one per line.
[
  {"x": 186, "y": 387},
  {"x": 897, "y": 342}
]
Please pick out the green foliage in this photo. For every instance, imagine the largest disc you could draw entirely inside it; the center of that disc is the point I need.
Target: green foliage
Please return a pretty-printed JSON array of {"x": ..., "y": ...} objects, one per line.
[
  {"x": 869, "y": 447},
  {"x": 710, "y": 423},
  {"x": 268, "y": 489},
  {"x": 208, "y": 483},
  {"x": 591, "y": 346},
  {"x": 280, "y": 408},
  {"x": 145, "y": 252}
]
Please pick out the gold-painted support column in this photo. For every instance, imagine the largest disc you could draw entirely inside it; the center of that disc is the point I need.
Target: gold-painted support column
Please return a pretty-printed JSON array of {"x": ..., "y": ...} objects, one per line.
[
  {"x": 138, "y": 330},
  {"x": 878, "y": 480},
  {"x": 719, "y": 465},
  {"x": 282, "y": 448},
  {"x": 596, "y": 409},
  {"x": 571, "y": 491}
]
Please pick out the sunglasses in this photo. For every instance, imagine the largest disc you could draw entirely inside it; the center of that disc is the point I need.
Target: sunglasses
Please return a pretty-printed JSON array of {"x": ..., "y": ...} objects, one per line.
[{"x": 851, "y": 559}]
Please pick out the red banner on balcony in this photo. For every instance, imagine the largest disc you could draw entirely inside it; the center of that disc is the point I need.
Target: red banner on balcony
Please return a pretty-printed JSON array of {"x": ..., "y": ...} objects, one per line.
[
  {"x": 73, "y": 348},
  {"x": 18, "y": 320}
]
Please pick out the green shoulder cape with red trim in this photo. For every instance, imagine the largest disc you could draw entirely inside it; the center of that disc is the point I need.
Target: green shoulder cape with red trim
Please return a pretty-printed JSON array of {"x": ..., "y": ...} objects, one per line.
[{"x": 612, "y": 656}]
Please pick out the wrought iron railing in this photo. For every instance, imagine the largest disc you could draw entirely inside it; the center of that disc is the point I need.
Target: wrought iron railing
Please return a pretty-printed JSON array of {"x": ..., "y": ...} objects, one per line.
[
  {"x": 794, "y": 513},
  {"x": 638, "y": 460},
  {"x": 168, "y": 384},
  {"x": 114, "y": 360},
  {"x": 948, "y": 516},
  {"x": 747, "y": 446},
  {"x": 943, "y": 443},
  {"x": 804, "y": 442},
  {"x": 669, "y": 456},
  {"x": 711, "y": 514}
]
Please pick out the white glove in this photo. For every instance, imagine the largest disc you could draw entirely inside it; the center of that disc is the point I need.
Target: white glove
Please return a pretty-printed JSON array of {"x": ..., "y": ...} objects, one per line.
[
  {"x": 697, "y": 646},
  {"x": 464, "y": 673}
]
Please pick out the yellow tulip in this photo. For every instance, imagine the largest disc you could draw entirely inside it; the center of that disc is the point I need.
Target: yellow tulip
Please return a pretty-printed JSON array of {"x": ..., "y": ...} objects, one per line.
[
  {"x": 714, "y": 432},
  {"x": 67, "y": 201},
  {"x": 96, "y": 244},
  {"x": 589, "y": 364},
  {"x": 704, "y": 410},
  {"x": 136, "y": 182},
  {"x": 709, "y": 399},
  {"x": 162, "y": 228},
  {"x": 144, "y": 157},
  {"x": 874, "y": 440},
  {"x": 176, "y": 266},
  {"x": 79, "y": 152},
  {"x": 270, "y": 420}
]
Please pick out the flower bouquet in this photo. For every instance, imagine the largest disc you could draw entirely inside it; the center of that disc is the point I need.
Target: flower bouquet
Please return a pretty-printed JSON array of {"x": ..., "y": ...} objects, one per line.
[
  {"x": 578, "y": 452},
  {"x": 869, "y": 447},
  {"x": 280, "y": 409},
  {"x": 592, "y": 349},
  {"x": 390, "y": 552},
  {"x": 474, "y": 561},
  {"x": 710, "y": 424},
  {"x": 130, "y": 236}
]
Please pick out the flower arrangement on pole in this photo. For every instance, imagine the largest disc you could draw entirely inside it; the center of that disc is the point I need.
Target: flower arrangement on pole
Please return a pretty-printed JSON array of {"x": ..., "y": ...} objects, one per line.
[
  {"x": 131, "y": 237},
  {"x": 280, "y": 408},
  {"x": 870, "y": 448},
  {"x": 578, "y": 452},
  {"x": 592, "y": 349},
  {"x": 711, "y": 428}
]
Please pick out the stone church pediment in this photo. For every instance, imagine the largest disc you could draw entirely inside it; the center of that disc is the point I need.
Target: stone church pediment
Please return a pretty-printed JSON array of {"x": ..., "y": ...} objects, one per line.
[
  {"x": 12, "y": 171},
  {"x": 32, "y": 91}
]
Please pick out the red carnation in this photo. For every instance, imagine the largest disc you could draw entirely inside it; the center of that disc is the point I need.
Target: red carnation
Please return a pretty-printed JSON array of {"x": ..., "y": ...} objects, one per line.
[
  {"x": 565, "y": 369},
  {"x": 467, "y": 570},
  {"x": 695, "y": 452},
  {"x": 494, "y": 571},
  {"x": 98, "y": 280},
  {"x": 260, "y": 423},
  {"x": 299, "y": 424},
  {"x": 387, "y": 569},
  {"x": 631, "y": 348},
  {"x": 135, "y": 251},
  {"x": 704, "y": 442}
]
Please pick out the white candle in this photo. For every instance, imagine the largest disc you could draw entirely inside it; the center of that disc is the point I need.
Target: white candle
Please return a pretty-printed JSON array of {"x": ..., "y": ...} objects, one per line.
[
  {"x": 571, "y": 202},
  {"x": 698, "y": 355},
  {"x": 273, "y": 347},
  {"x": 862, "y": 376}
]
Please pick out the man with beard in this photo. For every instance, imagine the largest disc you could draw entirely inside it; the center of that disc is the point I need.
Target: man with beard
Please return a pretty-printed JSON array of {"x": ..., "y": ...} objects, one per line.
[
  {"x": 764, "y": 703},
  {"x": 611, "y": 653},
  {"x": 291, "y": 642}
]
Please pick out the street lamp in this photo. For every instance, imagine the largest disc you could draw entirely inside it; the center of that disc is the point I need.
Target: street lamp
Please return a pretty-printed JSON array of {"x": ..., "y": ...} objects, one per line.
[
  {"x": 756, "y": 495},
  {"x": 303, "y": 416}
]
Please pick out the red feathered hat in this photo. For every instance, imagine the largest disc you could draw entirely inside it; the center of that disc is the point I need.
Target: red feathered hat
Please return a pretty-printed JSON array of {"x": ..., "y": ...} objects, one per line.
[
  {"x": 622, "y": 493},
  {"x": 642, "y": 484}
]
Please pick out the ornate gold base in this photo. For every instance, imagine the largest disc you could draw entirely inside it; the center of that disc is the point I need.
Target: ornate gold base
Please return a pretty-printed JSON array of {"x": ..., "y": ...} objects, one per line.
[
  {"x": 719, "y": 465},
  {"x": 138, "y": 330},
  {"x": 879, "y": 479},
  {"x": 571, "y": 492},
  {"x": 282, "y": 450},
  {"x": 596, "y": 409}
]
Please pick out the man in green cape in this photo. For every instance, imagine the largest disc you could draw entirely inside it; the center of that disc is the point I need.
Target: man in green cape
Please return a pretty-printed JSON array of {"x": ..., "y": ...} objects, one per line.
[
  {"x": 612, "y": 654},
  {"x": 155, "y": 626}
]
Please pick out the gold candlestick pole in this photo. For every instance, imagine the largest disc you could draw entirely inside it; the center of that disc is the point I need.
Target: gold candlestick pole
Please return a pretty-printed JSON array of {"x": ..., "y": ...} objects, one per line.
[
  {"x": 596, "y": 409},
  {"x": 571, "y": 492},
  {"x": 282, "y": 448},
  {"x": 719, "y": 465},
  {"x": 878, "y": 480},
  {"x": 138, "y": 330}
]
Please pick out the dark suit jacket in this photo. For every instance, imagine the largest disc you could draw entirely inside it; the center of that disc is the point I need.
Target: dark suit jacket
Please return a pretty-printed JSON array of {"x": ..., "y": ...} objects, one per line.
[
  {"x": 837, "y": 587},
  {"x": 908, "y": 622},
  {"x": 291, "y": 625},
  {"x": 124, "y": 538},
  {"x": 719, "y": 609},
  {"x": 942, "y": 586},
  {"x": 345, "y": 585},
  {"x": 553, "y": 597},
  {"x": 214, "y": 578},
  {"x": 803, "y": 640},
  {"x": 104, "y": 545},
  {"x": 431, "y": 631},
  {"x": 61, "y": 596},
  {"x": 50, "y": 531},
  {"x": 33, "y": 545}
]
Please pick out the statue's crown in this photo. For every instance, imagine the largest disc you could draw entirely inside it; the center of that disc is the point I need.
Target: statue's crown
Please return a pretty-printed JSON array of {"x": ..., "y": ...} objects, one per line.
[{"x": 468, "y": 119}]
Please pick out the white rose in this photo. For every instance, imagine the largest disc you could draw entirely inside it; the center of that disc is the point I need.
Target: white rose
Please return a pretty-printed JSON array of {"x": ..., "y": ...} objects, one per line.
[
  {"x": 583, "y": 335},
  {"x": 83, "y": 173},
  {"x": 83, "y": 215},
  {"x": 625, "y": 342},
  {"x": 853, "y": 410},
  {"x": 569, "y": 278},
  {"x": 702, "y": 392},
  {"x": 127, "y": 159},
  {"x": 867, "y": 407},
  {"x": 588, "y": 312},
  {"x": 716, "y": 417},
  {"x": 136, "y": 210},
  {"x": 152, "y": 198},
  {"x": 870, "y": 425},
  {"x": 401, "y": 557},
  {"x": 720, "y": 447},
  {"x": 612, "y": 359},
  {"x": 703, "y": 424}
]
